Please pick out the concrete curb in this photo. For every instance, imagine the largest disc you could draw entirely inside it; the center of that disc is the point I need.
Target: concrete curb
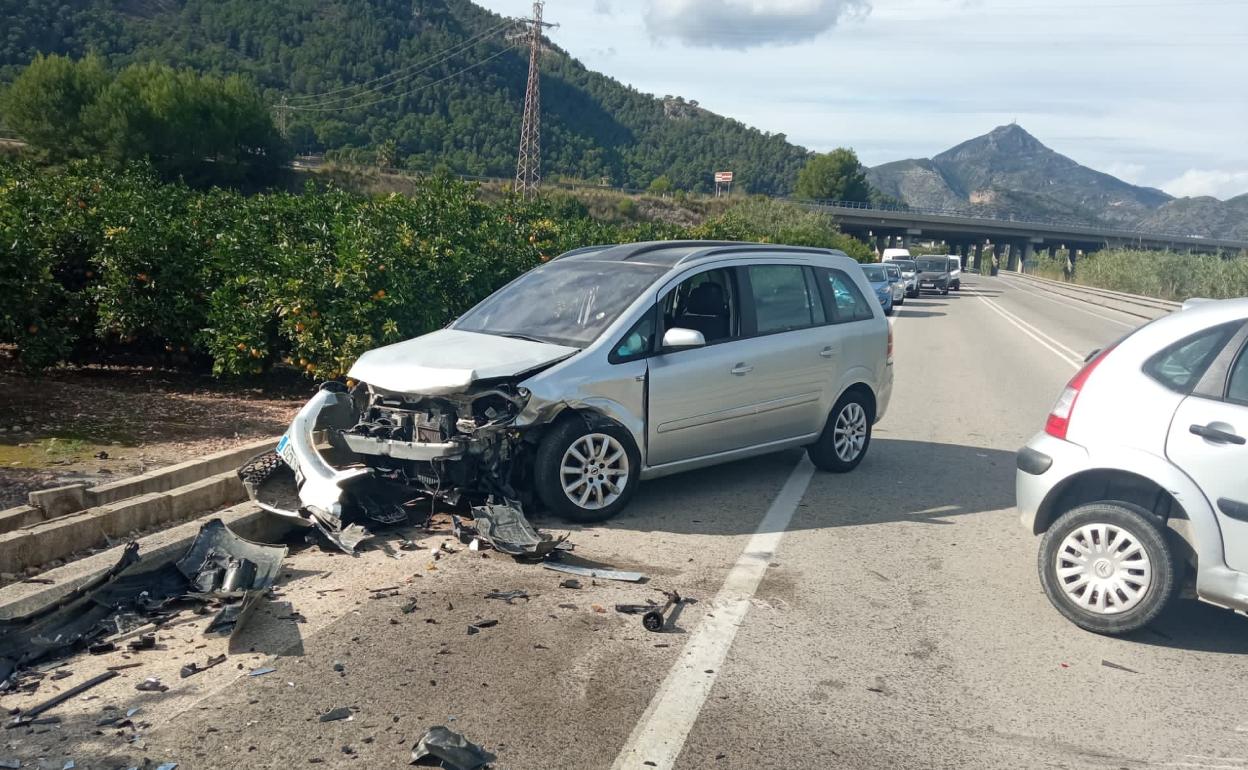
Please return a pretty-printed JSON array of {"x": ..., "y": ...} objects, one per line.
[
  {"x": 71, "y": 533},
  {"x": 61, "y": 501},
  {"x": 245, "y": 519}
]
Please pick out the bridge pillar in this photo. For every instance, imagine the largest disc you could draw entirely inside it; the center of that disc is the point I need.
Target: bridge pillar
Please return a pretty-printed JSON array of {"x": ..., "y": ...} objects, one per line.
[
  {"x": 1027, "y": 255},
  {"x": 880, "y": 243},
  {"x": 1012, "y": 263},
  {"x": 979, "y": 258},
  {"x": 905, "y": 241},
  {"x": 1052, "y": 251}
]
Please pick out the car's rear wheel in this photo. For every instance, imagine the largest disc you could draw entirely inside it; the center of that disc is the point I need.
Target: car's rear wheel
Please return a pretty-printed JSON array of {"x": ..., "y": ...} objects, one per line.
[
  {"x": 1107, "y": 567},
  {"x": 585, "y": 473},
  {"x": 846, "y": 435}
]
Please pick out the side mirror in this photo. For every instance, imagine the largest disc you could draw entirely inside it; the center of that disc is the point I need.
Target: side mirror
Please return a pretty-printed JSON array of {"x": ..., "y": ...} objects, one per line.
[{"x": 681, "y": 339}]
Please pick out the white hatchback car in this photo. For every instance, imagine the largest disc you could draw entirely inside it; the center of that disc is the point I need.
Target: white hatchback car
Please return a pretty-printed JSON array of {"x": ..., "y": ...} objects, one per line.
[{"x": 1139, "y": 481}]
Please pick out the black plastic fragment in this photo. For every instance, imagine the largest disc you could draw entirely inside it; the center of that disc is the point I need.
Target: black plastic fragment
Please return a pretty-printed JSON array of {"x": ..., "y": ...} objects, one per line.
[{"x": 451, "y": 749}]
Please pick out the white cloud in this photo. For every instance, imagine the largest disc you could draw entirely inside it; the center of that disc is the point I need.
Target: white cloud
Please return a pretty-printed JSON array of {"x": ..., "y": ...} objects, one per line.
[
  {"x": 1126, "y": 171},
  {"x": 1220, "y": 184},
  {"x": 742, "y": 24}
]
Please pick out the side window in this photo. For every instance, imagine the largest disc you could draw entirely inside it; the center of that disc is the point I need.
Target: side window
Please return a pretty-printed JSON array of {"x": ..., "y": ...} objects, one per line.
[
  {"x": 706, "y": 302},
  {"x": 638, "y": 342},
  {"x": 848, "y": 304},
  {"x": 1181, "y": 365},
  {"x": 1237, "y": 387},
  {"x": 782, "y": 301}
]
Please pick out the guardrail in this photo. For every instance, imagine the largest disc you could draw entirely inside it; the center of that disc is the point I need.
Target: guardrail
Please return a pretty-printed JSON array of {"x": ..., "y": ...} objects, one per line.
[{"x": 1137, "y": 304}]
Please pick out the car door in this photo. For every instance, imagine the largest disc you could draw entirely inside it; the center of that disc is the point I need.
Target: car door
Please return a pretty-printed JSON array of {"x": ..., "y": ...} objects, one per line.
[
  {"x": 793, "y": 351},
  {"x": 700, "y": 400},
  {"x": 1208, "y": 440}
]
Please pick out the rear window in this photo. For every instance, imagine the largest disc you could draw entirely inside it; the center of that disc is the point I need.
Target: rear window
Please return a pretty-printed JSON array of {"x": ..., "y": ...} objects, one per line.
[{"x": 1181, "y": 365}]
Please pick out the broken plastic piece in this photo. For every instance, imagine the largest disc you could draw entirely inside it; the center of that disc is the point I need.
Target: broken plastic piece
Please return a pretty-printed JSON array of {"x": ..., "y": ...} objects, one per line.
[
  {"x": 60, "y": 698},
  {"x": 342, "y": 712},
  {"x": 168, "y": 766},
  {"x": 508, "y": 596},
  {"x": 11, "y": 763},
  {"x": 144, "y": 642},
  {"x": 262, "y": 671},
  {"x": 222, "y": 565},
  {"x": 151, "y": 684},
  {"x": 453, "y": 750},
  {"x": 506, "y": 529},
  {"x": 190, "y": 669},
  {"x": 594, "y": 572}
]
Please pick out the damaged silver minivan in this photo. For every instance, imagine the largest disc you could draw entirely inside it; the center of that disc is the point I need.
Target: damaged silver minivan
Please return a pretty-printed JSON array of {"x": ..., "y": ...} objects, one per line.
[{"x": 579, "y": 379}]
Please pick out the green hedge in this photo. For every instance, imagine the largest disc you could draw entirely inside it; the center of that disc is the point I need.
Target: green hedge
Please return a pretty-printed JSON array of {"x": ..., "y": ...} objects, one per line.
[
  {"x": 1162, "y": 274},
  {"x": 95, "y": 261}
]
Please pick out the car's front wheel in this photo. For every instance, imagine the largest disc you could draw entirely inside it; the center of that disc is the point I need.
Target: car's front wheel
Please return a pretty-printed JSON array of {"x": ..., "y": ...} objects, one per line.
[
  {"x": 586, "y": 474},
  {"x": 845, "y": 437},
  {"x": 1107, "y": 567}
]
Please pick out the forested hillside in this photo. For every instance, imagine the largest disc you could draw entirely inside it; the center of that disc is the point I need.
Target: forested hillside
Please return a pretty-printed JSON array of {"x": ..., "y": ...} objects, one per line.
[{"x": 594, "y": 126}]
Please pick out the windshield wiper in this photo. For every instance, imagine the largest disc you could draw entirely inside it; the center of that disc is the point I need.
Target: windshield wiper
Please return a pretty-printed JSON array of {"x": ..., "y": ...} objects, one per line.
[{"x": 524, "y": 337}]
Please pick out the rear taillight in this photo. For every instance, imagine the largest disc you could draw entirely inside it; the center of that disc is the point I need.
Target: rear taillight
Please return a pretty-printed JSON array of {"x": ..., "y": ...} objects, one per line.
[
  {"x": 1059, "y": 418},
  {"x": 890, "y": 342}
]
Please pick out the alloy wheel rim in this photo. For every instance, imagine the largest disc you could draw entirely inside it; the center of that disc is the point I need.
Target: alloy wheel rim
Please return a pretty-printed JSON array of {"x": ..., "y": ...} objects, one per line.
[
  {"x": 1103, "y": 568},
  {"x": 594, "y": 471},
  {"x": 849, "y": 434}
]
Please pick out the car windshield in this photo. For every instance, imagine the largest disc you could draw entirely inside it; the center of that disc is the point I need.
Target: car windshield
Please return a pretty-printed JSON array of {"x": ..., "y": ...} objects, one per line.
[
  {"x": 875, "y": 273},
  {"x": 567, "y": 303},
  {"x": 933, "y": 265},
  {"x": 905, "y": 265}
]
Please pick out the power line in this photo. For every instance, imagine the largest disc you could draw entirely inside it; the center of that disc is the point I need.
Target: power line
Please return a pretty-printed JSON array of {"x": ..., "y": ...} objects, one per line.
[
  {"x": 418, "y": 89},
  {"x": 425, "y": 64}
]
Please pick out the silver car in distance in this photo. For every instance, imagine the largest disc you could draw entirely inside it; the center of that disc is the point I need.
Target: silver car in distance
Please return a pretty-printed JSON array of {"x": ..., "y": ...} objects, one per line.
[{"x": 604, "y": 367}]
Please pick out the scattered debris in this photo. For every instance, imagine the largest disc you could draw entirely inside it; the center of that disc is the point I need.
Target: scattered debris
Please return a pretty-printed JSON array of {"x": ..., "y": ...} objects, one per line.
[
  {"x": 334, "y": 715},
  {"x": 124, "y": 666},
  {"x": 475, "y": 628},
  {"x": 506, "y": 529},
  {"x": 262, "y": 671},
  {"x": 594, "y": 572},
  {"x": 1119, "y": 667},
  {"x": 144, "y": 642},
  {"x": 59, "y": 698},
  {"x": 190, "y": 669},
  {"x": 598, "y": 608},
  {"x": 451, "y": 749},
  {"x": 102, "y": 648},
  {"x": 61, "y": 674},
  {"x": 508, "y": 596},
  {"x": 168, "y": 766},
  {"x": 339, "y": 666},
  {"x": 655, "y": 619},
  {"x": 570, "y": 583},
  {"x": 13, "y": 764},
  {"x": 634, "y": 609},
  {"x": 151, "y": 684}
]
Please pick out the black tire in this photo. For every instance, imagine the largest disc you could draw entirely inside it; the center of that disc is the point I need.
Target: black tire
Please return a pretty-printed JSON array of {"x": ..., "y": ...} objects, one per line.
[
  {"x": 899, "y": 302},
  {"x": 823, "y": 452},
  {"x": 944, "y": 291},
  {"x": 957, "y": 286},
  {"x": 548, "y": 476},
  {"x": 890, "y": 309},
  {"x": 1141, "y": 527}
]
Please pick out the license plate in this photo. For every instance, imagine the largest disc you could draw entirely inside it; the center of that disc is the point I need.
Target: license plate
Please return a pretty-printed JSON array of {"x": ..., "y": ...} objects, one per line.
[
  {"x": 287, "y": 452},
  {"x": 928, "y": 283}
]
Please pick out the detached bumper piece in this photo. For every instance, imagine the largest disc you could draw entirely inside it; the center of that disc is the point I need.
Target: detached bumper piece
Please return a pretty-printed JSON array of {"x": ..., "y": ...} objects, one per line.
[
  {"x": 222, "y": 566},
  {"x": 441, "y": 747},
  {"x": 506, "y": 529},
  {"x": 219, "y": 566}
]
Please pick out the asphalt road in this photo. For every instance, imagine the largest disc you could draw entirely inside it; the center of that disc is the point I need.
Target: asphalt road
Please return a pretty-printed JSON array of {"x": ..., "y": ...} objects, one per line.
[{"x": 889, "y": 618}]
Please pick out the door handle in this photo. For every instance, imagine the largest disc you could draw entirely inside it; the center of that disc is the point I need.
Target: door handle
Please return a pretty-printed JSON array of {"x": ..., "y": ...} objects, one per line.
[
  {"x": 1233, "y": 508},
  {"x": 828, "y": 352},
  {"x": 742, "y": 369},
  {"x": 1217, "y": 436}
]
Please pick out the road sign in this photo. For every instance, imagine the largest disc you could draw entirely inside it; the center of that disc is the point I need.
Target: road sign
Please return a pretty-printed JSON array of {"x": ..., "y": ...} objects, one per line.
[{"x": 723, "y": 177}]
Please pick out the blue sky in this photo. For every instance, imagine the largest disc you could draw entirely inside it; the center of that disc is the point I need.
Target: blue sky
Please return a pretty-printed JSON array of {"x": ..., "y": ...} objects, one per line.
[{"x": 1152, "y": 91}]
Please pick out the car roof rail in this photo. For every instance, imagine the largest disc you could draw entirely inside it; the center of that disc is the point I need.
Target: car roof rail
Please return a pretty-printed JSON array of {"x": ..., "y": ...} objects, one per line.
[
  {"x": 582, "y": 251},
  {"x": 719, "y": 250}
]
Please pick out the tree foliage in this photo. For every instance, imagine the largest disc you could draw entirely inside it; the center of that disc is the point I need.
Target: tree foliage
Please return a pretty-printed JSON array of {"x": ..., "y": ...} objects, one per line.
[
  {"x": 593, "y": 126},
  {"x": 200, "y": 127},
  {"x": 837, "y": 175},
  {"x": 96, "y": 259}
]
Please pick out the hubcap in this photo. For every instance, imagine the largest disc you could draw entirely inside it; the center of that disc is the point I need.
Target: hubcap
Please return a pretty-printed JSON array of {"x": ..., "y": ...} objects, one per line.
[
  {"x": 1103, "y": 568},
  {"x": 594, "y": 471},
  {"x": 849, "y": 434}
]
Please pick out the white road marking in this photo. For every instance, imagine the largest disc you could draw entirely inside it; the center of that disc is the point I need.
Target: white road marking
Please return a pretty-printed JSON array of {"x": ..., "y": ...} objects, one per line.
[
  {"x": 660, "y": 735},
  {"x": 1042, "y": 294},
  {"x": 1073, "y": 358}
]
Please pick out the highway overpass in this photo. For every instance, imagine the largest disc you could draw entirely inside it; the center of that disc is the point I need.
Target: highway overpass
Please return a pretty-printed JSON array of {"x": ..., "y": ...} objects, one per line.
[{"x": 1009, "y": 240}]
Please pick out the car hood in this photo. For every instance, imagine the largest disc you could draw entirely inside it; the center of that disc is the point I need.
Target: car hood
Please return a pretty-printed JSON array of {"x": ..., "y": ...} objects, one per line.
[{"x": 449, "y": 360}]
